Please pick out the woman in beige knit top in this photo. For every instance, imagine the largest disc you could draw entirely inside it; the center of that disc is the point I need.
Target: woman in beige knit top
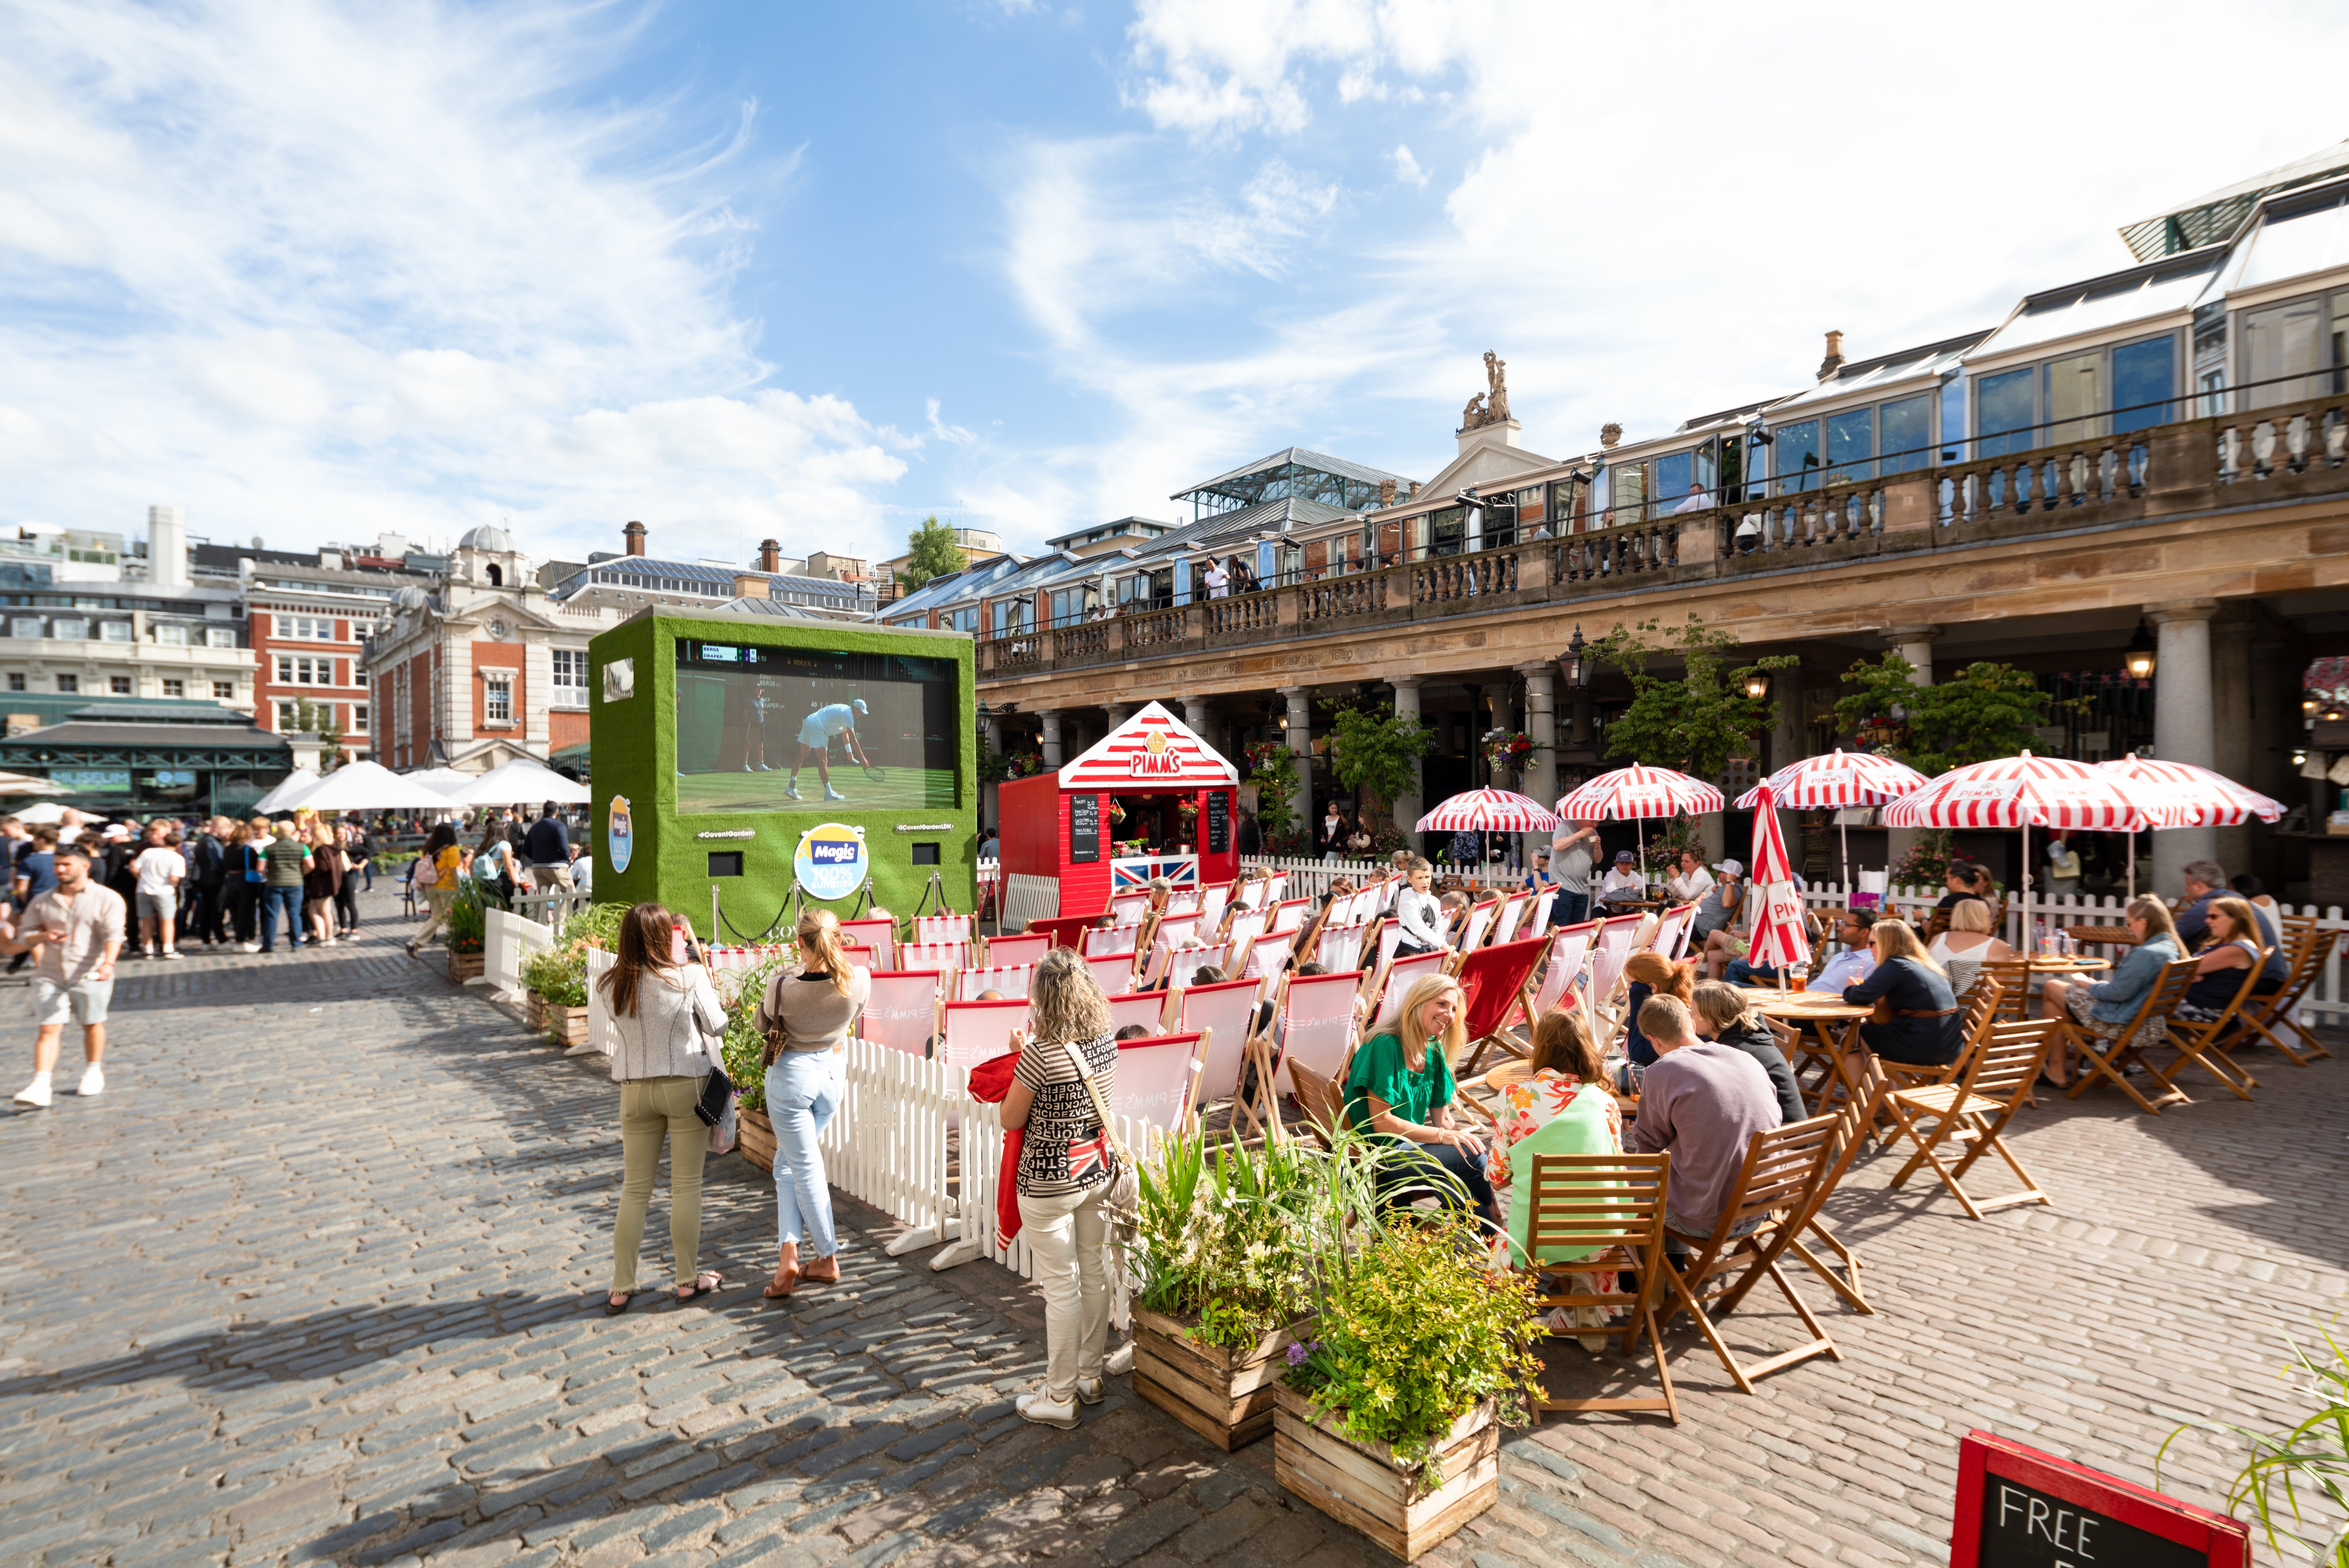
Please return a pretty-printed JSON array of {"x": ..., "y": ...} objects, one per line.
[{"x": 806, "y": 1017}]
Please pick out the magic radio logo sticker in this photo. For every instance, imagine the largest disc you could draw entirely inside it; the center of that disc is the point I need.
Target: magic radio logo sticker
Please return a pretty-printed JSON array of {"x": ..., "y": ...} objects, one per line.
[
  {"x": 830, "y": 862},
  {"x": 618, "y": 836}
]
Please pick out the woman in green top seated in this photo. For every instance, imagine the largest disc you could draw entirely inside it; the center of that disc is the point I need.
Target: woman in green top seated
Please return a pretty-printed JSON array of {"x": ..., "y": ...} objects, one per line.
[{"x": 1399, "y": 1092}]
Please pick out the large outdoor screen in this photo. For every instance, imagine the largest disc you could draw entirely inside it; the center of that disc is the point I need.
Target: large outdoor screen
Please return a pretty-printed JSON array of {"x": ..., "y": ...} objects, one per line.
[{"x": 788, "y": 729}]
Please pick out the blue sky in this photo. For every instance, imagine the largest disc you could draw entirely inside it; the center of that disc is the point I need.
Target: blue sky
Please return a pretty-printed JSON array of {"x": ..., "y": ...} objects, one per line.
[{"x": 315, "y": 271}]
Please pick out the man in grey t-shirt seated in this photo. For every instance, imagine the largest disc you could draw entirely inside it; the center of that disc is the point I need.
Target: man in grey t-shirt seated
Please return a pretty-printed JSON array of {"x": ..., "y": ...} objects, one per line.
[{"x": 1702, "y": 1101}]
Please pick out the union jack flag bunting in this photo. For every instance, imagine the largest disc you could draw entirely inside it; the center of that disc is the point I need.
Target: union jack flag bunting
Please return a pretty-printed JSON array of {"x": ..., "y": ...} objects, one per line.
[{"x": 1091, "y": 1155}]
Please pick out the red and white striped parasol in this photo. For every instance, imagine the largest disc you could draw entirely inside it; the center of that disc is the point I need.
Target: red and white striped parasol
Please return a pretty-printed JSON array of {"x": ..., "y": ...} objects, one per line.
[
  {"x": 1634, "y": 794},
  {"x": 1839, "y": 780},
  {"x": 1488, "y": 811},
  {"x": 2027, "y": 791},
  {"x": 2181, "y": 795},
  {"x": 1779, "y": 941}
]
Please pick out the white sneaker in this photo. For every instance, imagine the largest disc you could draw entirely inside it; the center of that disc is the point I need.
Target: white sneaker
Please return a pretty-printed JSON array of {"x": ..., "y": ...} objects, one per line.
[
  {"x": 832, "y": 793},
  {"x": 174, "y": 952},
  {"x": 1119, "y": 1362},
  {"x": 790, "y": 791},
  {"x": 248, "y": 947},
  {"x": 93, "y": 1081},
  {"x": 35, "y": 1093},
  {"x": 1089, "y": 1390},
  {"x": 1047, "y": 1411}
]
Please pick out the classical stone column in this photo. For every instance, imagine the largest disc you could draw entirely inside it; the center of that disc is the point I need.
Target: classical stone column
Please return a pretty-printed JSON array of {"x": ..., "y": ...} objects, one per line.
[
  {"x": 1915, "y": 644},
  {"x": 1050, "y": 720},
  {"x": 2182, "y": 726},
  {"x": 2235, "y": 698},
  {"x": 1300, "y": 741},
  {"x": 1119, "y": 712},
  {"x": 1407, "y": 807},
  {"x": 1541, "y": 728},
  {"x": 1202, "y": 720}
]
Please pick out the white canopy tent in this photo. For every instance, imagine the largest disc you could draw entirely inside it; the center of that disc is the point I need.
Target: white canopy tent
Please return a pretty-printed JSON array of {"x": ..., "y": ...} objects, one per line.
[
  {"x": 371, "y": 787},
  {"x": 443, "y": 782},
  {"x": 290, "y": 793},
  {"x": 42, "y": 810},
  {"x": 522, "y": 782}
]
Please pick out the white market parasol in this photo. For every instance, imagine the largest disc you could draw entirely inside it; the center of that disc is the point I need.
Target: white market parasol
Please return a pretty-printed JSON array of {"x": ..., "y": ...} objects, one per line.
[
  {"x": 522, "y": 782},
  {"x": 1488, "y": 811},
  {"x": 289, "y": 791},
  {"x": 2187, "y": 796},
  {"x": 1636, "y": 793},
  {"x": 371, "y": 787},
  {"x": 1837, "y": 781}
]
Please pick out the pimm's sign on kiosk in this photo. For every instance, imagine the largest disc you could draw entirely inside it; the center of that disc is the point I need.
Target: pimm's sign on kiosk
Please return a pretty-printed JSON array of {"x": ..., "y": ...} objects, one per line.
[{"x": 2019, "y": 1508}]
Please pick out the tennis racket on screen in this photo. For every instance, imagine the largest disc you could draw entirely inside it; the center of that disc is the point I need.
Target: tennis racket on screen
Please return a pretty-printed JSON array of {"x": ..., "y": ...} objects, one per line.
[{"x": 876, "y": 774}]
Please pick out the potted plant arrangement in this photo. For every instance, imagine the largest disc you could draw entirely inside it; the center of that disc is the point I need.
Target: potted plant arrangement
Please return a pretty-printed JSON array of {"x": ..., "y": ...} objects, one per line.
[
  {"x": 1507, "y": 751},
  {"x": 1222, "y": 1249},
  {"x": 557, "y": 979},
  {"x": 1390, "y": 1418},
  {"x": 745, "y": 1057},
  {"x": 467, "y": 929}
]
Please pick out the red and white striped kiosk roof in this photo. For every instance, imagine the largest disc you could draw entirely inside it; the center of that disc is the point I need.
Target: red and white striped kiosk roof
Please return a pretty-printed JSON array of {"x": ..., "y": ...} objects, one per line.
[{"x": 1153, "y": 750}]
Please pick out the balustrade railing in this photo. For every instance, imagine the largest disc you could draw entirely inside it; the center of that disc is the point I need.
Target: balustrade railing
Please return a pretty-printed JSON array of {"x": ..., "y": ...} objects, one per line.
[
  {"x": 1243, "y": 612},
  {"x": 1022, "y": 652},
  {"x": 1623, "y": 550},
  {"x": 1154, "y": 629},
  {"x": 1355, "y": 593},
  {"x": 1087, "y": 639},
  {"x": 2302, "y": 438},
  {"x": 1448, "y": 578}
]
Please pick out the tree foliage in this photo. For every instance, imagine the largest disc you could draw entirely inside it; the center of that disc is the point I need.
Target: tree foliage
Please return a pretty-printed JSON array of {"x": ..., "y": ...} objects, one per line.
[
  {"x": 930, "y": 552},
  {"x": 318, "y": 718},
  {"x": 1375, "y": 748},
  {"x": 1694, "y": 723},
  {"x": 1985, "y": 711}
]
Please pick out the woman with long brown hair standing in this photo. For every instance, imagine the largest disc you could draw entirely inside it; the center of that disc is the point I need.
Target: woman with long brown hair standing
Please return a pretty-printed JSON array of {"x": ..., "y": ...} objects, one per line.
[
  {"x": 668, "y": 1020},
  {"x": 805, "y": 1018}
]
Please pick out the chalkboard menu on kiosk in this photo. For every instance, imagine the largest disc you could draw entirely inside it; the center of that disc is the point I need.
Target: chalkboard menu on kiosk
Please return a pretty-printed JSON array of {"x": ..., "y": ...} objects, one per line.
[
  {"x": 2019, "y": 1508},
  {"x": 1219, "y": 822},
  {"x": 1085, "y": 829}
]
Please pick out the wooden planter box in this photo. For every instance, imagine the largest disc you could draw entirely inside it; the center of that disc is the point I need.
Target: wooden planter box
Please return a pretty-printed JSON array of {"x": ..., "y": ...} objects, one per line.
[
  {"x": 463, "y": 967},
  {"x": 534, "y": 1010},
  {"x": 1357, "y": 1483},
  {"x": 755, "y": 1138},
  {"x": 567, "y": 1025},
  {"x": 1224, "y": 1395}
]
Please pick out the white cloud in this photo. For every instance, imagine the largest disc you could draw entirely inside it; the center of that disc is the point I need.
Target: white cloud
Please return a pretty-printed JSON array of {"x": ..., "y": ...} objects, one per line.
[
  {"x": 1222, "y": 65},
  {"x": 1406, "y": 167},
  {"x": 310, "y": 270}
]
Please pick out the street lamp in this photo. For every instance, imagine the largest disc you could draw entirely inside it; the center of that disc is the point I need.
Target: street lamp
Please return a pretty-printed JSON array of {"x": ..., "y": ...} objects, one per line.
[
  {"x": 1574, "y": 665},
  {"x": 1758, "y": 685},
  {"x": 2140, "y": 660}
]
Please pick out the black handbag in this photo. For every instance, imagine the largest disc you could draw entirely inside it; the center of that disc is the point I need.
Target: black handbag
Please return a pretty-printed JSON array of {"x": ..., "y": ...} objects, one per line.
[{"x": 717, "y": 1093}]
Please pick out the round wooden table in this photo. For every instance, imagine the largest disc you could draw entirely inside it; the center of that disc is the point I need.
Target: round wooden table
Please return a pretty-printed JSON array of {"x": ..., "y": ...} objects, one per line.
[
  {"x": 2078, "y": 964},
  {"x": 1824, "y": 1009}
]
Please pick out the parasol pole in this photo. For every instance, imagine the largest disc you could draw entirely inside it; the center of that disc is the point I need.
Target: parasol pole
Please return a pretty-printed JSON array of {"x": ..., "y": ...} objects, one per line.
[
  {"x": 1843, "y": 832},
  {"x": 2029, "y": 949},
  {"x": 2132, "y": 865}
]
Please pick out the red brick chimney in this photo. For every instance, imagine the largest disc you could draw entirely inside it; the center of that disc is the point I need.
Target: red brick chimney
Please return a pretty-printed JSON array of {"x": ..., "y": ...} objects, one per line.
[
  {"x": 771, "y": 556},
  {"x": 635, "y": 534}
]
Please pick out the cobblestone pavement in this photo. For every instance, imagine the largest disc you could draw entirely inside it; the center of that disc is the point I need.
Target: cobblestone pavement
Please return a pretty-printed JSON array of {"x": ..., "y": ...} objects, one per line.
[{"x": 316, "y": 1281}]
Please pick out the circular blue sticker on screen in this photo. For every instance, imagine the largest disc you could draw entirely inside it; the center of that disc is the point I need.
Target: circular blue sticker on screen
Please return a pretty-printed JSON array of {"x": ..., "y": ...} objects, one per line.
[
  {"x": 618, "y": 837},
  {"x": 830, "y": 863}
]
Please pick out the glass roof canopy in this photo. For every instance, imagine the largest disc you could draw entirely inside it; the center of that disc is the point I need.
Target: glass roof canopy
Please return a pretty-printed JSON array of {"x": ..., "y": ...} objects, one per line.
[{"x": 1295, "y": 475}]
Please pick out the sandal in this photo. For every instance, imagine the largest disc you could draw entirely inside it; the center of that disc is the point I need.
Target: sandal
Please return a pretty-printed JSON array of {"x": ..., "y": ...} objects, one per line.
[
  {"x": 700, "y": 1289},
  {"x": 617, "y": 1302},
  {"x": 831, "y": 1279},
  {"x": 785, "y": 1283}
]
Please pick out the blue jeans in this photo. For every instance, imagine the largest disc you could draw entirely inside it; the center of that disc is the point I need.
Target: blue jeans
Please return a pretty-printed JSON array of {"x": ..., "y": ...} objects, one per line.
[
  {"x": 1740, "y": 972},
  {"x": 1569, "y": 908},
  {"x": 805, "y": 1088},
  {"x": 271, "y": 898}
]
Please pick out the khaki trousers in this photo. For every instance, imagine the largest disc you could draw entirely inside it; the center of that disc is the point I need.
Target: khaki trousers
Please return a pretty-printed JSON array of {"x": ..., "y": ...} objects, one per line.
[
  {"x": 1066, "y": 1236},
  {"x": 652, "y": 1110}
]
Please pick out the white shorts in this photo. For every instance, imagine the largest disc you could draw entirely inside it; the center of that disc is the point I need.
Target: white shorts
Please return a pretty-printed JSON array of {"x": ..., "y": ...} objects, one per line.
[
  {"x": 84, "y": 1001},
  {"x": 160, "y": 906},
  {"x": 813, "y": 735}
]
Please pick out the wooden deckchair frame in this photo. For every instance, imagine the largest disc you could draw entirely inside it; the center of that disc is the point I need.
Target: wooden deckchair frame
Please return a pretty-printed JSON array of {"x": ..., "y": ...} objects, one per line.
[
  {"x": 2310, "y": 947},
  {"x": 2198, "y": 1043},
  {"x": 1614, "y": 1203},
  {"x": 2160, "y": 998},
  {"x": 1974, "y": 1110}
]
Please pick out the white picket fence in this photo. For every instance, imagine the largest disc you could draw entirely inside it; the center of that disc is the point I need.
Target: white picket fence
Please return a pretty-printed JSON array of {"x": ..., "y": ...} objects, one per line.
[
  {"x": 887, "y": 1144},
  {"x": 601, "y": 1035},
  {"x": 1312, "y": 877}
]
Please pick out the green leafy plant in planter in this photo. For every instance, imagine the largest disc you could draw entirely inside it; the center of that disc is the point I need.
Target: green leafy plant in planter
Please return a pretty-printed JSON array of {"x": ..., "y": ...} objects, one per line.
[
  {"x": 467, "y": 923},
  {"x": 596, "y": 924},
  {"x": 1414, "y": 1332},
  {"x": 2314, "y": 1455},
  {"x": 559, "y": 974},
  {"x": 1224, "y": 1242}
]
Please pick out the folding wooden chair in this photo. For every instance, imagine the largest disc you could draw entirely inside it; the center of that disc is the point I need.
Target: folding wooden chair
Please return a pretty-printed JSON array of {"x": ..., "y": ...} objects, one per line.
[
  {"x": 901, "y": 1010},
  {"x": 1544, "y": 910},
  {"x": 879, "y": 934},
  {"x": 1147, "y": 1007},
  {"x": 1245, "y": 927},
  {"x": 1475, "y": 925},
  {"x": 1277, "y": 888},
  {"x": 1497, "y": 981},
  {"x": 974, "y": 1032},
  {"x": 1611, "y": 950},
  {"x": 1390, "y": 936},
  {"x": 1113, "y": 972},
  {"x": 1104, "y": 940},
  {"x": 2013, "y": 978},
  {"x": 1561, "y": 966},
  {"x": 861, "y": 957},
  {"x": 2280, "y": 1009},
  {"x": 1169, "y": 933},
  {"x": 1974, "y": 1110},
  {"x": 1266, "y": 960},
  {"x": 1759, "y": 1220},
  {"x": 1225, "y": 1015},
  {"x": 1213, "y": 898},
  {"x": 1155, "y": 1078},
  {"x": 1004, "y": 951},
  {"x": 1011, "y": 981},
  {"x": 1182, "y": 901},
  {"x": 2108, "y": 937},
  {"x": 2161, "y": 999},
  {"x": 1254, "y": 893},
  {"x": 932, "y": 955},
  {"x": 1185, "y": 963},
  {"x": 1672, "y": 931},
  {"x": 1319, "y": 1104},
  {"x": 1842, "y": 1145},
  {"x": 1595, "y": 1205},
  {"x": 942, "y": 927},
  {"x": 2198, "y": 1043},
  {"x": 1982, "y": 1013}
]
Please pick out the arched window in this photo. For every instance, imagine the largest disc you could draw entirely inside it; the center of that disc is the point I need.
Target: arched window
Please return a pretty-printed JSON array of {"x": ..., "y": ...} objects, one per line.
[{"x": 497, "y": 575}]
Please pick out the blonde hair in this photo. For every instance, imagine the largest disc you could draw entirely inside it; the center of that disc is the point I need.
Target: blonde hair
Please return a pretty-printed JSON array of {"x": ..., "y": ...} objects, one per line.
[
  {"x": 1665, "y": 1018},
  {"x": 1426, "y": 990},
  {"x": 2242, "y": 920},
  {"x": 1970, "y": 915},
  {"x": 818, "y": 935},
  {"x": 2155, "y": 915},
  {"x": 1660, "y": 974},
  {"x": 1898, "y": 938},
  {"x": 1065, "y": 1005},
  {"x": 1721, "y": 1005}
]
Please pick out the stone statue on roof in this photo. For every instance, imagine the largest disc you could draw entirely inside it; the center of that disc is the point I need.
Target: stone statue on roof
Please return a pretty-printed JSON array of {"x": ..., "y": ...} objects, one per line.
[{"x": 1490, "y": 407}]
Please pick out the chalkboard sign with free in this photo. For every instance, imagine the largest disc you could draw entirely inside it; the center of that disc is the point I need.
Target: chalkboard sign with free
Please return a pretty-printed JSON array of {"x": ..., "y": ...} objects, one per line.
[
  {"x": 1085, "y": 829},
  {"x": 1219, "y": 822},
  {"x": 2020, "y": 1508}
]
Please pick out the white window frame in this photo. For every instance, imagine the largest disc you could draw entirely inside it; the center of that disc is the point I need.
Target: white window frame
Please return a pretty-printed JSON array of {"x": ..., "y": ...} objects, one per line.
[
  {"x": 497, "y": 692},
  {"x": 223, "y": 690},
  {"x": 171, "y": 680},
  {"x": 359, "y": 718},
  {"x": 567, "y": 683}
]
